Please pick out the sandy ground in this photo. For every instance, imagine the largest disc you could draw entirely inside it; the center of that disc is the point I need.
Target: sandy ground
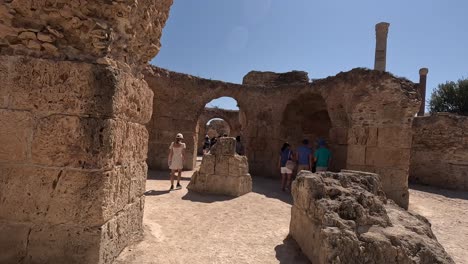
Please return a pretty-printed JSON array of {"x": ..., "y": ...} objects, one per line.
[
  {"x": 182, "y": 227},
  {"x": 448, "y": 213}
]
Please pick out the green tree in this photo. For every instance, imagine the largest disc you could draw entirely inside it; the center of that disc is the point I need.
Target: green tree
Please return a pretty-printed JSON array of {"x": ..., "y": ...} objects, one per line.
[{"x": 450, "y": 97}]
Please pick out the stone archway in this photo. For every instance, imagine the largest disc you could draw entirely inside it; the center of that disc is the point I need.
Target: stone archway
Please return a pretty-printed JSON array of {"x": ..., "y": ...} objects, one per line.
[{"x": 231, "y": 117}]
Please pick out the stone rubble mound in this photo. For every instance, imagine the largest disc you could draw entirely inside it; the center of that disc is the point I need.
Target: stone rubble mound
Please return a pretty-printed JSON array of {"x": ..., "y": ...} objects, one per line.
[
  {"x": 222, "y": 171},
  {"x": 346, "y": 218}
]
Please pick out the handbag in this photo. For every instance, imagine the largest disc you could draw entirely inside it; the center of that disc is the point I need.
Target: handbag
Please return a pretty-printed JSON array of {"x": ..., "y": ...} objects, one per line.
[{"x": 290, "y": 164}]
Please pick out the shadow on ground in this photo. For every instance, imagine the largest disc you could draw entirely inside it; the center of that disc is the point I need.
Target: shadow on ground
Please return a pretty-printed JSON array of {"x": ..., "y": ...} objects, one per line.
[
  {"x": 283, "y": 252},
  {"x": 444, "y": 192},
  {"x": 156, "y": 193},
  {"x": 271, "y": 188},
  {"x": 205, "y": 198}
]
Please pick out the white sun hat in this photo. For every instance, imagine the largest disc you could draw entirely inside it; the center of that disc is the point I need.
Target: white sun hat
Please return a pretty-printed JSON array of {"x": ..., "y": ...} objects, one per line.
[{"x": 180, "y": 136}]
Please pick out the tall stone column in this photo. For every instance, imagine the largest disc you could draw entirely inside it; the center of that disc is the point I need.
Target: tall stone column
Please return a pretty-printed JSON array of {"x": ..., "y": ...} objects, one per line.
[
  {"x": 73, "y": 143},
  {"x": 422, "y": 89},
  {"x": 381, "y": 33}
]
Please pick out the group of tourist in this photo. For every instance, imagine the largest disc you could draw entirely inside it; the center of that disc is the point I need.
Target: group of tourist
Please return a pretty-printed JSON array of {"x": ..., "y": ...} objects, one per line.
[
  {"x": 209, "y": 143},
  {"x": 304, "y": 158}
]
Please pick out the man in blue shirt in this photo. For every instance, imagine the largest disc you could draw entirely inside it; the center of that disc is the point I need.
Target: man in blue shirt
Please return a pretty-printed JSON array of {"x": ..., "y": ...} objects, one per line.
[
  {"x": 322, "y": 157},
  {"x": 304, "y": 156}
]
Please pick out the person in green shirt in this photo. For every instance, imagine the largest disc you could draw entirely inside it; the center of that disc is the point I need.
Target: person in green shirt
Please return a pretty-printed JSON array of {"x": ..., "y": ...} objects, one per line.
[{"x": 322, "y": 156}]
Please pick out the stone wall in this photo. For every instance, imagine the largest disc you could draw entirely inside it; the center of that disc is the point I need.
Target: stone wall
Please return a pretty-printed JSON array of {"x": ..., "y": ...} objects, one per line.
[
  {"x": 439, "y": 155},
  {"x": 73, "y": 141},
  {"x": 369, "y": 112}
]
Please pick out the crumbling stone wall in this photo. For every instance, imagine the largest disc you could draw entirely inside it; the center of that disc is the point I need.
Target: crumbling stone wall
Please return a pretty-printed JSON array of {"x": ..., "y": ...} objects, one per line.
[
  {"x": 346, "y": 218},
  {"x": 72, "y": 141},
  {"x": 439, "y": 155},
  {"x": 231, "y": 117},
  {"x": 370, "y": 115}
]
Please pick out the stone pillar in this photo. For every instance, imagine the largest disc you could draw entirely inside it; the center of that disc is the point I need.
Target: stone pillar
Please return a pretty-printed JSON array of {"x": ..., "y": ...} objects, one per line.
[
  {"x": 381, "y": 32},
  {"x": 72, "y": 137},
  {"x": 422, "y": 89}
]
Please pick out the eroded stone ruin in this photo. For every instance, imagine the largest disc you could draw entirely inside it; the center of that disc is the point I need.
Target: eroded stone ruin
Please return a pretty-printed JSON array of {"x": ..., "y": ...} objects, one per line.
[
  {"x": 222, "y": 171},
  {"x": 79, "y": 117},
  {"x": 346, "y": 218},
  {"x": 365, "y": 116},
  {"x": 73, "y": 105}
]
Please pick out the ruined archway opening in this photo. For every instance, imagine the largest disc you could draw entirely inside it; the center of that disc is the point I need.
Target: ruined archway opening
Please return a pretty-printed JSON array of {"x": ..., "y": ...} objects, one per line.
[
  {"x": 220, "y": 116},
  {"x": 214, "y": 128},
  {"x": 306, "y": 117}
]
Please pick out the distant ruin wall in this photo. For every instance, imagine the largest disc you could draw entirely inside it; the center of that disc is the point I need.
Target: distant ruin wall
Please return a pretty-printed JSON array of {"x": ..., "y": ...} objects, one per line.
[
  {"x": 370, "y": 114},
  {"x": 439, "y": 155}
]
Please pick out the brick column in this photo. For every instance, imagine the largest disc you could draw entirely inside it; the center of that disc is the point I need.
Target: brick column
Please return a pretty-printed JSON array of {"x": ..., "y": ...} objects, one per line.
[
  {"x": 72, "y": 138},
  {"x": 422, "y": 89},
  {"x": 381, "y": 33}
]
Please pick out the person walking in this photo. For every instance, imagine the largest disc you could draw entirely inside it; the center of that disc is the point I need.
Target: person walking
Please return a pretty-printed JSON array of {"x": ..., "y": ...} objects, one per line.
[
  {"x": 322, "y": 156},
  {"x": 239, "y": 146},
  {"x": 286, "y": 165},
  {"x": 304, "y": 156},
  {"x": 206, "y": 145},
  {"x": 176, "y": 159}
]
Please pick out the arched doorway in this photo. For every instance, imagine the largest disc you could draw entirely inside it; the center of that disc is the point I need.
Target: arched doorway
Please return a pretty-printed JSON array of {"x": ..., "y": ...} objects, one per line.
[
  {"x": 306, "y": 117},
  {"x": 220, "y": 116},
  {"x": 214, "y": 128}
]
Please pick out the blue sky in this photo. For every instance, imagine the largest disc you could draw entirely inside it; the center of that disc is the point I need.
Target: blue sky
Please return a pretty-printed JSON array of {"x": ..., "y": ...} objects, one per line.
[{"x": 225, "y": 39}]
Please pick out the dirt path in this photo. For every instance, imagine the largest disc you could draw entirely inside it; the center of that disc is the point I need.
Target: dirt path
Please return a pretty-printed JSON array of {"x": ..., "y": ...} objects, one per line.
[
  {"x": 448, "y": 213},
  {"x": 182, "y": 227}
]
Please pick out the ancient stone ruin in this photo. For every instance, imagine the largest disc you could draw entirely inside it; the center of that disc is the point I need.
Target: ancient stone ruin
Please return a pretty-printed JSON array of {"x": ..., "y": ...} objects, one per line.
[
  {"x": 439, "y": 154},
  {"x": 222, "y": 171},
  {"x": 346, "y": 218},
  {"x": 79, "y": 124},
  {"x": 364, "y": 115},
  {"x": 73, "y": 105}
]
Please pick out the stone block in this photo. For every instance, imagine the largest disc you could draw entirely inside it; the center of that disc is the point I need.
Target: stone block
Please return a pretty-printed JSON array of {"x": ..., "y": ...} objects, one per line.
[
  {"x": 339, "y": 135},
  {"x": 356, "y": 155},
  {"x": 397, "y": 137},
  {"x": 13, "y": 241},
  {"x": 85, "y": 244},
  {"x": 221, "y": 184},
  {"x": 209, "y": 162},
  {"x": 74, "y": 88},
  {"x": 238, "y": 165},
  {"x": 362, "y": 135},
  {"x": 16, "y": 128},
  {"x": 54, "y": 196},
  {"x": 222, "y": 165},
  {"x": 88, "y": 143},
  {"x": 64, "y": 244},
  {"x": 388, "y": 157},
  {"x": 346, "y": 218}
]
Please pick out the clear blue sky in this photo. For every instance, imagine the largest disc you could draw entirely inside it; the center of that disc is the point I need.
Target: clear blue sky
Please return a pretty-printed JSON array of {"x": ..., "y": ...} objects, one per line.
[{"x": 225, "y": 39}]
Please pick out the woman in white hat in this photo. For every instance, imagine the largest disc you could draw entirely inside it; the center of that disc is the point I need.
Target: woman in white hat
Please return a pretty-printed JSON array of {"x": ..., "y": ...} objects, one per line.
[{"x": 176, "y": 159}]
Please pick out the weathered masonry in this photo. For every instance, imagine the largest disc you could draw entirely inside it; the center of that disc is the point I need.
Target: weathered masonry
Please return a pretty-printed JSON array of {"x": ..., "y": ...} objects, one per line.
[
  {"x": 439, "y": 155},
  {"x": 73, "y": 144},
  {"x": 365, "y": 116}
]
